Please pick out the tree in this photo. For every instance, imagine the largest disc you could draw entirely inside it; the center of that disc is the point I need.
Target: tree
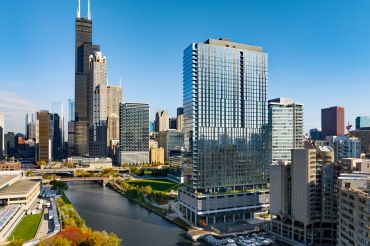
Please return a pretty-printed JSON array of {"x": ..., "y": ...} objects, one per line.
[
  {"x": 41, "y": 163},
  {"x": 18, "y": 242},
  {"x": 29, "y": 173},
  {"x": 59, "y": 185},
  {"x": 55, "y": 241}
]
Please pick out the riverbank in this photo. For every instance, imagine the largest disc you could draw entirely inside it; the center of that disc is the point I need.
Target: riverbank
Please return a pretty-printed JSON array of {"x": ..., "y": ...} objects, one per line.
[{"x": 158, "y": 211}]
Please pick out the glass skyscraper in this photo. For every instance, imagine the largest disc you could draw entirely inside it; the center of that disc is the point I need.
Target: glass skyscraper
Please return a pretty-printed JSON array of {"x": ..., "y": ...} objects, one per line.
[
  {"x": 286, "y": 128},
  {"x": 226, "y": 132}
]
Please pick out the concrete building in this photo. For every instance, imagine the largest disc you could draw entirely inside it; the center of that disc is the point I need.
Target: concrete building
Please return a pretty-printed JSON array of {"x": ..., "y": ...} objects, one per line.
[
  {"x": 354, "y": 209},
  {"x": 364, "y": 136},
  {"x": 2, "y": 140},
  {"x": 345, "y": 147},
  {"x": 226, "y": 133},
  {"x": 134, "y": 133},
  {"x": 286, "y": 128},
  {"x": 171, "y": 140},
  {"x": 350, "y": 165},
  {"x": 362, "y": 122},
  {"x": 157, "y": 155},
  {"x": 95, "y": 163},
  {"x": 303, "y": 199},
  {"x": 16, "y": 197},
  {"x": 161, "y": 121},
  {"x": 332, "y": 121}
]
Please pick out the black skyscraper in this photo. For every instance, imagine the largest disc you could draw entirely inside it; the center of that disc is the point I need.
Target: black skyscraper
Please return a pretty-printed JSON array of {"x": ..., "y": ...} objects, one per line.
[{"x": 83, "y": 84}]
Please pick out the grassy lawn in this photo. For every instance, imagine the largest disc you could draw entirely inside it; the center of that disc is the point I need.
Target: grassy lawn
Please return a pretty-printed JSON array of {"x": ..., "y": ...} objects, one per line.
[
  {"x": 27, "y": 228},
  {"x": 65, "y": 198},
  {"x": 163, "y": 185}
]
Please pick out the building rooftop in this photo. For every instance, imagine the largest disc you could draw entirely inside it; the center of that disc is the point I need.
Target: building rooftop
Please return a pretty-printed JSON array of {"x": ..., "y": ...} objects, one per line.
[
  {"x": 4, "y": 179},
  {"x": 20, "y": 187},
  {"x": 228, "y": 43}
]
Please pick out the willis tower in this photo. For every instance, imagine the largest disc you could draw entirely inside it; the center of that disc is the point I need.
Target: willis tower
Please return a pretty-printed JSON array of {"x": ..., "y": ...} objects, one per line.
[{"x": 83, "y": 83}]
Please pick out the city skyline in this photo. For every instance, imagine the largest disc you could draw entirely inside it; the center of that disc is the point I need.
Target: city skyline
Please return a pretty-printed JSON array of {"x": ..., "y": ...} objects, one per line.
[{"x": 312, "y": 57}]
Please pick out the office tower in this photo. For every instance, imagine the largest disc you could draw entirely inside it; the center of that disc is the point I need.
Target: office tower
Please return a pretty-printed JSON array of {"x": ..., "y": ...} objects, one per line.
[
  {"x": 151, "y": 126},
  {"x": 2, "y": 140},
  {"x": 58, "y": 108},
  {"x": 345, "y": 147},
  {"x": 83, "y": 82},
  {"x": 31, "y": 128},
  {"x": 43, "y": 127},
  {"x": 56, "y": 136},
  {"x": 172, "y": 123},
  {"x": 71, "y": 107},
  {"x": 315, "y": 134},
  {"x": 226, "y": 133},
  {"x": 180, "y": 119},
  {"x": 134, "y": 133},
  {"x": 354, "y": 209},
  {"x": 171, "y": 140},
  {"x": 303, "y": 198},
  {"x": 9, "y": 142},
  {"x": 71, "y": 138},
  {"x": 362, "y": 122},
  {"x": 157, "y": 155},
  {"x": 180, "y": 111},
  {"x": 286, "y": 128},
  {"x": 26, "y": 130},
  {"x": 332, "y": 121},
  {"x": 161, "y": 121}
]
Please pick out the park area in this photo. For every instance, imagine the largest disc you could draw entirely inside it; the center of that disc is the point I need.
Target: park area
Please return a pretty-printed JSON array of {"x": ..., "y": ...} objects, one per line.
[
  {"x": 27, "y": 228},
  {"x": 162, "y": 185}
]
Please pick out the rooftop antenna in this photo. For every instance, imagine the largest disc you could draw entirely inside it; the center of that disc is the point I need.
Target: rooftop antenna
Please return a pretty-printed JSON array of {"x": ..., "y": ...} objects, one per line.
[
  {"x": 79, "y": 9},
  {"x": 88, "y": 10}
]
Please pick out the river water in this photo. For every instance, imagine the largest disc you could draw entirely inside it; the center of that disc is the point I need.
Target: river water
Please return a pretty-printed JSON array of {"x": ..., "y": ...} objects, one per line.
[{"x": 105, "y": 209}]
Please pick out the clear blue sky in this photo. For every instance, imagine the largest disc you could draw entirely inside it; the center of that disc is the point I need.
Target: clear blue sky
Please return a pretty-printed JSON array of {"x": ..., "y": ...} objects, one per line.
[{"x": 319, "y": 51}]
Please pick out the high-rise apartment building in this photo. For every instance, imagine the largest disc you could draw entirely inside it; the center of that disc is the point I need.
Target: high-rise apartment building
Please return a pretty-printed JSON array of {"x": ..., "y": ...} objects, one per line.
[
  {"x": 345, "y": 147},
  {"x": 303, "y": 198},
  {"x": 362, "y": 122},
  {"x": 363, "y": 135},
  {"x": 332, "y": 121},
  {"x": 226, "y": 133},
  {"x": 162, "y": 121},
  {"x": 83, "y": 83},
  {"x": 2, "y": 140},
  {"x": 354, "y": 209},
  {"x": 286, "y": 128},
  {"x": 134, "y": 133}
]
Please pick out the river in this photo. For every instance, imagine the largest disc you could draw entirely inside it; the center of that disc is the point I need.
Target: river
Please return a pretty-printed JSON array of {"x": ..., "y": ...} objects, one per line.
[{"x": 105, "y": 209}]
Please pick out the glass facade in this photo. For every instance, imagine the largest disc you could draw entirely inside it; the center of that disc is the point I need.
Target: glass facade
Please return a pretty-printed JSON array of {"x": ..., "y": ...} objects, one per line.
[
  {"x": 286, "y": 128},
  {"x": 362, "y": 122},
  {"x": 225, "y": 112},
  {"x": 134, "y": 127}
]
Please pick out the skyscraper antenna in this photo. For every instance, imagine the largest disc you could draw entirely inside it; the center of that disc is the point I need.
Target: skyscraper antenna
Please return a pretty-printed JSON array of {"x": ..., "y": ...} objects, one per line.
[
  {"x": 88, "y": 10},
  {"x": 79, "y": 9}
]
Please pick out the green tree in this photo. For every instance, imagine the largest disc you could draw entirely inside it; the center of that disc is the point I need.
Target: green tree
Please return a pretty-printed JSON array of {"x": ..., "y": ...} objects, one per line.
[
  {"x": 18, "y": 242},
  {"x": 60, "y": 186}
]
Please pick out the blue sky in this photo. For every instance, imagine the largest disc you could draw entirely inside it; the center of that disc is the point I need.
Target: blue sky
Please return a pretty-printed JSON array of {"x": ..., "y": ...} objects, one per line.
[{"x": 319, "y": 51}]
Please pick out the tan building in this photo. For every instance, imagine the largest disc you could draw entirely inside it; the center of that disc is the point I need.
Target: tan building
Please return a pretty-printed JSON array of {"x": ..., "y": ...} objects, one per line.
[
  {"x": 303, "y": 204},
  {"x": 350, "y": 165},
  {"x": 162, "y": 121},
  {"x": 180, "y": 122},
  {"x": 44, "y": 139},
  {"x": 354, "y": 209},
  {"x": 10, "y": 166},
  {"x": 157, "y": 155}
]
